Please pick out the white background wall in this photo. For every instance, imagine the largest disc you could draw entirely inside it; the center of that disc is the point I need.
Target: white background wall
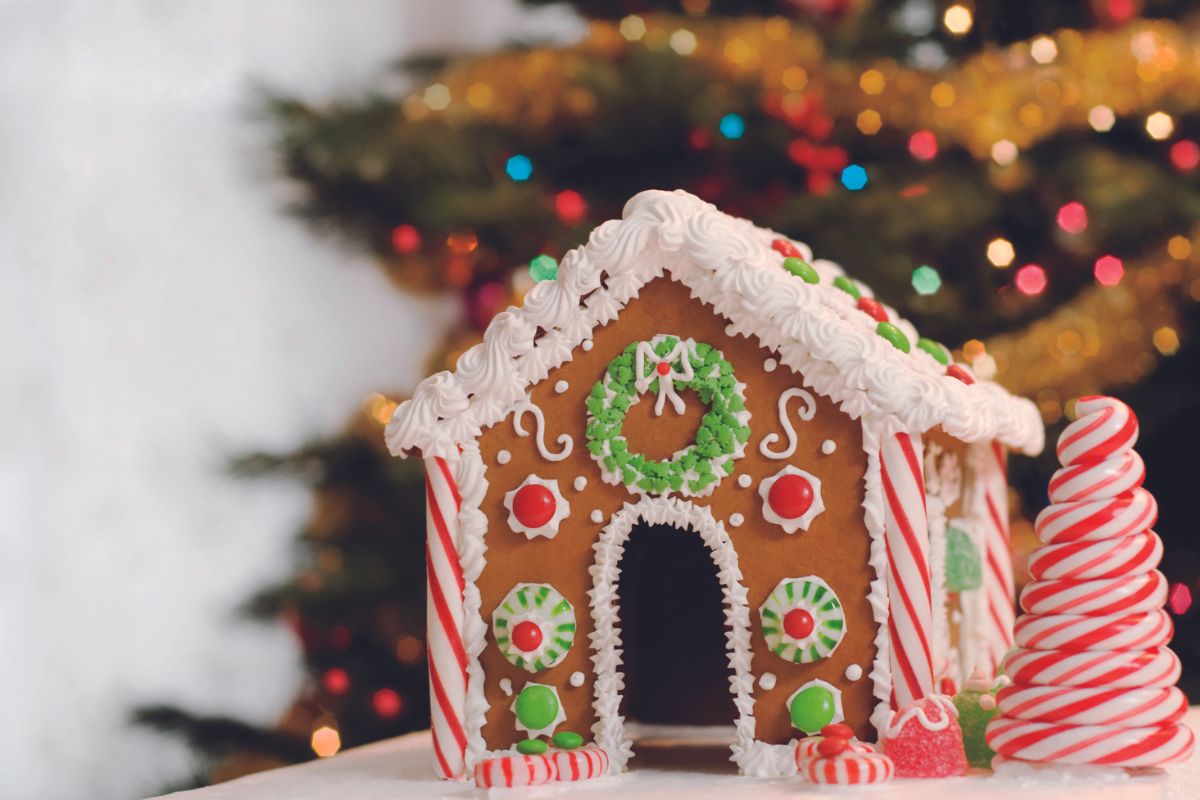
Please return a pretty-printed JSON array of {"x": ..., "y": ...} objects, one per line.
[{"x": 158, "y": 314}]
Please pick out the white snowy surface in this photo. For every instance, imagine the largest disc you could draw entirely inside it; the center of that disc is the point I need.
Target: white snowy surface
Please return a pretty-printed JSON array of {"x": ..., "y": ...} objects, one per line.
[
  {"x": 158, "y": 315},
  {"x": 400, "y": 769}
]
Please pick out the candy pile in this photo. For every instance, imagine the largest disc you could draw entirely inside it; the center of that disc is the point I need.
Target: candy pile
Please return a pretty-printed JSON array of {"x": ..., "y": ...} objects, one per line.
[
  {"x": 836, "y": 757},
  {"x": 1093, "y": 680}
]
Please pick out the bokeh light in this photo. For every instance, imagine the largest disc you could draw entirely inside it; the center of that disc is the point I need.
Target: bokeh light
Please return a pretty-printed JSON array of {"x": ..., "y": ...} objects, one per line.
[
  {"x": 958, "y": 19},
  {"x": 1072, "y": 217},
  {"x": 406, "y": 239},
  {"x": 519, "y": 167},
  {"x": 1043, "y": 49},
  {"x": 632, "y": 27},
  {"x": 732, "y": 126},
  {"x": 387, "y": 703},
  {"x": 1185, "y": 155},
  {"x": 1160, "y": 125},
  {"x": 854, "y": 177},
  {"x": 1000, "y": 252},
  {"x": 570, "y": 206},
  {"x": 1030, "y": 280},
  {"x": 923, "y": 145},
  {"x": 1108, "y": 270},
  {"x": 325, "y": 741},
  {"x": 1166, "y": 340},
  {"x": 1004, "y": 152},
  {"x": 926, "y": 280},
  {"x": 1101, "y": 118}
]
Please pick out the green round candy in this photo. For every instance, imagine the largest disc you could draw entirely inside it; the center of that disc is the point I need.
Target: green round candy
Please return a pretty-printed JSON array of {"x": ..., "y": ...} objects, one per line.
[
  {"x": 543, "y": 268},
  {"x": 847, "y": 286},
  {"x": 567, "y": 740},
  {"x": 536, "y": 707},
  {"x": 532, "y": 747},
  {"x": 934, "y": 349},
  {"x": 812, "y": 709},
  {"x": 801, "y": 269},
  {"x": 894, "y": 335}
]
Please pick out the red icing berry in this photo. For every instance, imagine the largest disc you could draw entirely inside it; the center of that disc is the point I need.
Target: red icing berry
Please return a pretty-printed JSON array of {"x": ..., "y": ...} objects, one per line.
[
  {"x": 533, "y": 505},
  {"x": 785, "y": 248},
  {"x": 798, "y": 624},
  {"x": 663, "y": 368},
  {"x": 790, "y": 496},
  {"x": 873, "y": 309},
  {"x": 955, "y": 371},
  {"x": 838, "y": 729},
  {"x": 527, "y": 636},
  {"x": 831, "y": 746}
]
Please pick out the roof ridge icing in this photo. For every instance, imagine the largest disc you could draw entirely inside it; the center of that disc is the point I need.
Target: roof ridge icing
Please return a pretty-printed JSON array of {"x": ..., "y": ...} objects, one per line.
[{"x": 728, "y": 263}]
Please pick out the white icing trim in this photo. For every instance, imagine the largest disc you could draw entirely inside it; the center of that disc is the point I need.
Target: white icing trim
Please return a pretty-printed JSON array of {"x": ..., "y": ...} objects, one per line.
[
  {"x": 609, "y": 729},
  {"x": 805, "y": 412},
  {"x": 580, "y": 483},
  {"x": 853, "y": 672},
  {"x": 744, "y": 481},
  {"x": 767, "y": 680},
  {"x": 815, "y": 329},
  {"x": 561, "y": 386},
  {"x": 829, "y": 447},
  {"x": 577, "y": 678},
  {"x": 681, "y": 352},
  {"x": 917, "y": 711},
  {"x": 564, "y": 440},
  {"x": 736, "y": 519},
  {"x": 470, "y": 477},
  {"x": 503, "y": 457},
  {"x": 873, "y": 500}
]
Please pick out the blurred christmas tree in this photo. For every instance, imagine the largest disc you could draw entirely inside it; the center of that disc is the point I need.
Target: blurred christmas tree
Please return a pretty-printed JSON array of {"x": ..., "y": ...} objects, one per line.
[{"x": 1026, "y": 174}]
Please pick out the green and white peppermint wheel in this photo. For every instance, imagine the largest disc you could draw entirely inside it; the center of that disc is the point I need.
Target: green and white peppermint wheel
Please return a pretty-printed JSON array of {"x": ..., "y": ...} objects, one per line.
[
  {"x": 534, "y": 626},
  {"x": 803, "y": 620}
]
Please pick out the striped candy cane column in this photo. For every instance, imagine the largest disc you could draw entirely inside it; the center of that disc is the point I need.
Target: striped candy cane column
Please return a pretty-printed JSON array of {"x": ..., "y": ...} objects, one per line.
[
  {"x": 444, "y": 620},
  {"x": 906, "y": 536},
  {"x": 998, "y": 587}
]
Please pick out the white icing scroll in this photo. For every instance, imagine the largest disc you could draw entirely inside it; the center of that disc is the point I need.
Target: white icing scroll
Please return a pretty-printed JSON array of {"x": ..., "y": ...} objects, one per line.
[
  {"x": 565, "y": 440},
  {"x": 805, "y": 412}
]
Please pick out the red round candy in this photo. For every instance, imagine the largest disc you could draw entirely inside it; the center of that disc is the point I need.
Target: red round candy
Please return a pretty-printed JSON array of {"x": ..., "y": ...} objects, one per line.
[
  {"x": 798, "y": 623},
  {"x": 785, "y": 248},
  {"x": 955, "y": 371},
  {"x": 838, "y": 729},
  {"x": 527, "y": 636},
  {"x": 790, "y": 496},
  {"x": 533, "y": 505},
  {"x": 663, "y": 368},
  {"x": 873, "y": 309},
  {"x": 831, "y": 746}
]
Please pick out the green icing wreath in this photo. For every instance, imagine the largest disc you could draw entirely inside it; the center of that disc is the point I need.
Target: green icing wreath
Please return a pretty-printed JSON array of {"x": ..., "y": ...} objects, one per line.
[{"x": 720, "y": 440}]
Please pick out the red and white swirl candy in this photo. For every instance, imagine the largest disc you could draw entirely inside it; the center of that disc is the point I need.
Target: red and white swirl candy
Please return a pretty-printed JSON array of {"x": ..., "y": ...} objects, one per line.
[
  {"x": 1103, "y": 427},
  {"x": 1129, "y": 555},
  {"x": 806, "y": 748},
  {"x": 1111, "y": 518},
  {"x": 1079, "y": 632},
  {"x": 1095, "y": 480},
  {"x": 1119, "y": 668},
  {"x": 1127, "y": 595},
  {"x": 1131, "y": 708},
  {"x": 514, "y": 770},
  {"x": 580, "y": 764},
  {"x": 1089, "y": 744},
  {"x": 849, "y": 769}
]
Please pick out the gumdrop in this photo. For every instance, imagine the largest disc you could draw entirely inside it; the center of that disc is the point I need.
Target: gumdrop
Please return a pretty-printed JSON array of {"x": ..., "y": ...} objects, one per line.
[
  {"x": 923, "y": 739},
  {"x": 976, "y": 705},
  {"x": 964, "y": 569}
]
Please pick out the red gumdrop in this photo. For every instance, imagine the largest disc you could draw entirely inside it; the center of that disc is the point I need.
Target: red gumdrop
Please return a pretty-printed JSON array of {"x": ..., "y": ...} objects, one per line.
[
  {"x": 838, "y": 729},
  {"x": 831, "y": 746},
  {"x": 798, "y": 624},
  {"x": 533, "y": 505},
  {"x": 918, "y": 751},
  {"x": 663, "y": 368},
  {"x": 785, "y": 248},
  {"x": 790, "y": 496},
  {"x": 955, "y": 371},
  {"x": 527, "y": 636},
  {"x": 873, "y": 309}
]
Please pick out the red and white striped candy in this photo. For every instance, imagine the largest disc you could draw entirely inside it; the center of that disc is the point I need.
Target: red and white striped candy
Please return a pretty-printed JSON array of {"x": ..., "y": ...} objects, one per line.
[
  {"x": 998, "y": 590},
  {"x": 1129, "y": 555},
  {"x": 1126, "y": 515},
  {"x": 1098, "y": 480},
  {"x": 1079, "y": 632},
  {"x": 581, "y": 763},
  {"x": 1103, "y": 427},
  {"x": 1128, "y": 595},
  {"x": 1130, "y": 708},
  {"x": 1119, "y": 668},
  {"x": 1089, "y": 744},
  {"x": 849, "y": 769},
  {"x": 514, "y": 770},
  {"x": 806, "y": 748}
]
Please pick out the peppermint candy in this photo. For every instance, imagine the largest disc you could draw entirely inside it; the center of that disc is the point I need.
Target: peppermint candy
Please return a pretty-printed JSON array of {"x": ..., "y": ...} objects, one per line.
[
  {"x": 1082, "y": 632},
  {"x": 1131, "y": 708},
  {"x": 1111, "y": 518},
  {"x": 1090, "y": 744},
  {"x": 1096, "y": 480},
  {"x": 514, "y": 770},
  {"x": 1119, "y": 668},
  {"x": 1126, "y": 595},
  {"x": 849, "y": 769},
  {"x": 803, "y": 620},
  {"x": 1104, "y": 426},
  {"x": 580, "y": 764},
  {"x": 534, "y": 626},
  {"x": 1129, "y": 555}
]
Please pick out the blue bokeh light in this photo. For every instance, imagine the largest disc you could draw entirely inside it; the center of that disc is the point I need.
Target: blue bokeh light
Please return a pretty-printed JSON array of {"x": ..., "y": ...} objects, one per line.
[
  {"x": 854, "y": 177},
  {"x": 519, "y": 167},
  {"x": 732, "y": 126}
]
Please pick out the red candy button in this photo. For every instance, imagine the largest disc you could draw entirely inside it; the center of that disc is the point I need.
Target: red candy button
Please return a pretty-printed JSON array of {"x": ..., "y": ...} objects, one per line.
[
  {"x": 790, "y": 496},
  {"x": 533, "y": 505},
  {"x": 527, "y": 636},
  {"x": 663, "y": 368},
  {"x": 873, "y": 309},
  {"x": 831, "y": 746},
  {"x": 798, "y": 623},
  {"x": 838, "y": 729},
  {"x": 955, "y": 371},
  {"x": 785, "y": 248}
]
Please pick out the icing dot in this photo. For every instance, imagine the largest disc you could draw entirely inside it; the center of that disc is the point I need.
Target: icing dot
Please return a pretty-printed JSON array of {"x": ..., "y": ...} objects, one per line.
[
  {"x": 828, "y": 446},
  {"x": 736, "y": 519},
  {"x": 506, "y": 687},
  {"x": 503, "y": 457},
  {"x": 853, "y": 672},
  {"x": 561, "y": 387},
  {"x": 597, "y": 515},
  {"x": 770, "y": 364},
  {"x": 744, "y": 481},
  {"x": 587, "y": 345},
  {"x": 533, "y": 505},
  {"x": 576, "y": 679},
  {"x": 579, "y": 483},
  {"x": 767, "y": 680}
]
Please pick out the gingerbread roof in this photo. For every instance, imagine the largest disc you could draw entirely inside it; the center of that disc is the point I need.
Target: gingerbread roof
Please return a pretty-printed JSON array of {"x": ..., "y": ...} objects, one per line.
[{"x": 817, "y": 329}]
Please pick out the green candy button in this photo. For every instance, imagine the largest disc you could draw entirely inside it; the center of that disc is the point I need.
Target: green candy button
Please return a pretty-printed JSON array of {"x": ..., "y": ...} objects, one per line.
[
  {"x": 934, "y": 349},
  {"x": 532, "y": 747},
  {"x": 567, "y": 740},
  {"x": 536, "y": 707},
  {"x": 801, "y": 269},
  {"x": 894, "y": 335},
  {"x": 812, "y": 708},
  {"x": 847, "y": 286}
]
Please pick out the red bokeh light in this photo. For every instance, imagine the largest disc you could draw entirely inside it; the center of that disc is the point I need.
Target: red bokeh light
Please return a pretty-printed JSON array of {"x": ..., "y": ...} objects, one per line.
[
  {"x": 1108, "y": 270},
  {"x": 923, "y": 145},
  {"x": 1031, "y": 280},
  {"x": 1072, "y": 218},
  {"x": 406, "y": 239},
  {"x": 336, "y": 681},
  {"x": 570, "y": 206},
  {"x": 1179, "y": 599},
  {"x": 1185, "y": 155},
  {"x": 387, "y": 703}
]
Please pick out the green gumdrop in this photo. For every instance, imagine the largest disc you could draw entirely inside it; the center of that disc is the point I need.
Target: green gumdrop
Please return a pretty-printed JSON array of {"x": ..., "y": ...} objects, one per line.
[
  {"x": 973, "y": 720},
  {"x": 532, "y": 747},
  {"x": 567, "y": 740},
  {"x": 934, "y": 349},
  {"x": 536, "y": 707},
  {"x": 812, "y": 709},
  {"x": 964, "y": 569},
  {"x": 801, "y": 269},
  {"x": 894, "y": 335},
  {"x": 543, "y": 268},
  {"x": 847, "y": 286}
]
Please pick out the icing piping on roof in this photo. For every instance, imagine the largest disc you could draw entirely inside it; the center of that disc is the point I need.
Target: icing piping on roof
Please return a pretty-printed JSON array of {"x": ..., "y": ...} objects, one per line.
[{"x": 728, "y": 263}]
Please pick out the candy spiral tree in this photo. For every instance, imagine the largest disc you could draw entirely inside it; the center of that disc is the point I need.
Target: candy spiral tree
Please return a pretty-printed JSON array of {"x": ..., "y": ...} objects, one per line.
[{"x": 1093, "y": 679}]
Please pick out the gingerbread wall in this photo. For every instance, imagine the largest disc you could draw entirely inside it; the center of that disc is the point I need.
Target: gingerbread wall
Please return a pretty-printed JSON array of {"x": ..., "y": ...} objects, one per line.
[{"x": 835, "y": 547}]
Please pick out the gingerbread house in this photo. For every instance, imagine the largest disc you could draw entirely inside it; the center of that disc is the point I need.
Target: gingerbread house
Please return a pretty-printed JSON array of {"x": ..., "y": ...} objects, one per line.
[{"x": 688, "y": 383}]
